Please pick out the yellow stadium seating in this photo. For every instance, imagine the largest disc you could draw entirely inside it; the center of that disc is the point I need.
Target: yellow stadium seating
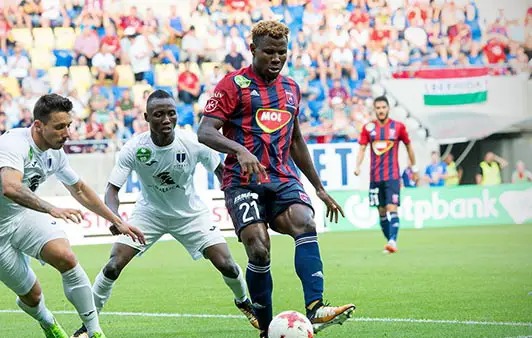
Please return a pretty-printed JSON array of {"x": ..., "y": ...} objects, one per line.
[
  {"x": 64, "y": 38},
  {"x": 44, "y": 37},
  {"x": 207, "y": 68},
  {"x": 41, "y": 58},
  {"x": 22, "y": 36},
  {"x": 11, "y": 85},
  {"x": 165, "y": 75},
  {"x": 126, "y": 78},
  {"x": 194, "y": 68},
  {"x": 138, "y": 91},
  {"x": 55, "y": 75},
  {"x": 81, "y": 77}
]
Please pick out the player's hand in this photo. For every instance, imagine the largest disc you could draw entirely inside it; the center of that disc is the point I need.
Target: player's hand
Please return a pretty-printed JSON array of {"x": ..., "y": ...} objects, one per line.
[
  {"x": 251, "y": 165},
  {"x": 357, "y": 171},
  {"x": 67, "y": 214},
  {"x": 129, "y": 230},
  {"x": 332, "y": 206}
]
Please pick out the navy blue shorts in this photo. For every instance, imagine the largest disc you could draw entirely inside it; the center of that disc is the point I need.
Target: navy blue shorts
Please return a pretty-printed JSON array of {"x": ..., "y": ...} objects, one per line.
[
  {"x": 256, "y": 203},
  {"x": 385, "y": 192}
]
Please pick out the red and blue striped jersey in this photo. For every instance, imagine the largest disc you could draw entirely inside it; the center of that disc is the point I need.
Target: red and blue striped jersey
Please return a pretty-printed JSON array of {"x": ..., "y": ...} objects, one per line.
[
  {"x": 259, "y": 116},
  {"x": 384, "y": 144}
]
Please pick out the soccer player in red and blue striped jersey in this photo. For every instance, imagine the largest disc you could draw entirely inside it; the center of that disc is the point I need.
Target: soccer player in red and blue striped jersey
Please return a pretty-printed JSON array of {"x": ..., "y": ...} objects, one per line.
[
  {"x": 257, "y": 109},
  {"x": 383, "y": 135}
]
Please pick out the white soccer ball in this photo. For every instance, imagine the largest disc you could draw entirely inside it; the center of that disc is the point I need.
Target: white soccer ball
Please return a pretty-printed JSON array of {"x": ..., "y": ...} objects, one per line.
[{"x": 290, "y": 324}]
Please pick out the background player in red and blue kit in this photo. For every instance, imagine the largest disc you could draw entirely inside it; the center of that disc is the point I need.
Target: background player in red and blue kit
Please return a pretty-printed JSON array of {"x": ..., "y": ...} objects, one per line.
[
  {"x": 258, "y": 111},
  {"x": 383, "y": 135}
]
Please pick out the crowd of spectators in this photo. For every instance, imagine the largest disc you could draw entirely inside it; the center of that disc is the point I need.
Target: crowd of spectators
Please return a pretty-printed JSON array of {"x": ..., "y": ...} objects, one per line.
[{"x": 107, "y": 62}]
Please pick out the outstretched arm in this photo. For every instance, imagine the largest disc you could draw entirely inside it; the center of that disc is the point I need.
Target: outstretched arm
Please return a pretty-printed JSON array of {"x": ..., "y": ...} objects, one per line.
[
  {"x": 301, "y": 156},
  {"x": 90, "y": 200},
  {"x": 15, "y": 190}
]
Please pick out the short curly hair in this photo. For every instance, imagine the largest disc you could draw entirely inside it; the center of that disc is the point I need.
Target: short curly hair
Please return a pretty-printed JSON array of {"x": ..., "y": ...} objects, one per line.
[{"x": 275, "y": 29}]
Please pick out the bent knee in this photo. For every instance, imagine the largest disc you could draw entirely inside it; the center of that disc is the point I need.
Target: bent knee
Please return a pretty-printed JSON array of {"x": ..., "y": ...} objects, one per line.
[
  {"x": 113, "y": 268},
  {"x": 65, "y": 260},
  {"x": 228, "y": 268},
  {"x": 259, "y": 253}
]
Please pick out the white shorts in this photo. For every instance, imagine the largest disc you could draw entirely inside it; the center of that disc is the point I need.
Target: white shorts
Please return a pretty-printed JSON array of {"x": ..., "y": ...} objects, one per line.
[
  {"x": 195, "y": 233},
  {"x": 31, "y": 231}
]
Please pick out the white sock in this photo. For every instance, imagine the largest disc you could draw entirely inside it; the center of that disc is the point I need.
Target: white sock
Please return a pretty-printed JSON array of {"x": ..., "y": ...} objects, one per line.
[
  {"x": 78, "y": 291},
  {"x": 101, "y": 290},
  {"x": 40, "y": 313},
  {"x": 238, "y": 286}
]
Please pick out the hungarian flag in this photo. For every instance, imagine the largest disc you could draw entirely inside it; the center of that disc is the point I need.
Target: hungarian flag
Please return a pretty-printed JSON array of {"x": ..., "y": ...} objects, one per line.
[{"x": 447, "y": 87}]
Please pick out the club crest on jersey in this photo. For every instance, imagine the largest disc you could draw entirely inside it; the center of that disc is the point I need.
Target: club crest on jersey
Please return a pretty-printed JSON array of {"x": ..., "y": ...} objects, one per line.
[
  {"x": 271, "y": 120},
  {"x": 181, "y": 157},
  {"x": 381, "y": 147},
  {"x": 370, "y": 127},
  {"x": 143, "y": 154},
  {"x": 290, "y": 98},
  {"x": 242, "y": 81}
]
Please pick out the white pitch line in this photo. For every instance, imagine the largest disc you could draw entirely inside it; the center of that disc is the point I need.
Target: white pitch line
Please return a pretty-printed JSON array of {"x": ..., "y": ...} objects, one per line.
[{"x": 356, "y": 319}]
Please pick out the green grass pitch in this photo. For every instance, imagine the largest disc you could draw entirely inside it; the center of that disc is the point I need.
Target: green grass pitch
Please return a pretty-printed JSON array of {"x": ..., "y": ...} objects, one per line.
[{"x": 479, "y": 277}]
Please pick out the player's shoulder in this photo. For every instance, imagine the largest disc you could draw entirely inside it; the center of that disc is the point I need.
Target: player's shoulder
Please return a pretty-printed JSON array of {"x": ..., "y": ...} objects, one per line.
[
  {"x": 370, "y": 126},
  {"x": 236, "y": 79},
  {"x": 16, "y": 140},
  {"x": 398, "y": 124},
  {"x": 136, "y": 141},
  {"x": 187, "y": 136}
]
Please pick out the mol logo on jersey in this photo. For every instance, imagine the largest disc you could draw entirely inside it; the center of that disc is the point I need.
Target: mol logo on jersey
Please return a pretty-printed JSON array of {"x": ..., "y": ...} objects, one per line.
[
  {"x": 381, "y": 147},
  {"x": 271, "y": 120}
]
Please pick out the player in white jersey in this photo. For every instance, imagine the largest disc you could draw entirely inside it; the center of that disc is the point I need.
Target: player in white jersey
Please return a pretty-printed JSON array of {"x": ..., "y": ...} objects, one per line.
[
  {"x": 28, "y": 156},
  {"x": 164, "y": 161}
]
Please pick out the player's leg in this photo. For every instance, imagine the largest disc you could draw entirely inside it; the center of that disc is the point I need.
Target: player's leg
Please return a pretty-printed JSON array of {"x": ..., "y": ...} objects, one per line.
[
  {"x": 76, "y": 283},
  {"x": 294, "y": 216},
  {"x": 256, "y": 241},
  {"x": 39, "y": 236},
  {"x": 122, "y": 253},
  {"x": 247, "y": 210},
  {"x": 376, "y": 200},
  {"x": 392, "y": 202},
  {"x": 16, "y": 274},
  {"x": 221, "y": 258}
]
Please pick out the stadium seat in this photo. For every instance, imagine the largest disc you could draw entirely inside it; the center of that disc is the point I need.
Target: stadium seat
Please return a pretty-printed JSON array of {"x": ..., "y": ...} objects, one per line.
[
  {"x": 81, "y": 77},
  {"x": 207, "y": 68},
  {"x": 126, "y": 78},
  {"x": 22, "y": 36},
  {"x": 194, "y": 68},
  {"x": 64, "y": 38},
  {"x": 44, "y": 37},
  {"x": 55, "y": 74},
  {"x": 41, "y": 58},
  {"x": 138, "y": 91},
  {"x": 165, "y": 75},
  {"x": 11, "y": 85}
]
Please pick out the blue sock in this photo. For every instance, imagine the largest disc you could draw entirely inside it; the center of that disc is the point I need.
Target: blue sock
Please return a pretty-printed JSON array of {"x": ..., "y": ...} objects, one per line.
[
  {"x": 385, "y": 226},
  {"x": 309, "y": 267},
  {"x": 260, "y": 285},
  {"x": 394, "y": 226}
]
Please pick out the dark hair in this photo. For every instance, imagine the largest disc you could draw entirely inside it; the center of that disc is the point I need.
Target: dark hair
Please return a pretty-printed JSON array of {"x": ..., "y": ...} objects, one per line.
[
  {"x": 158, "y": 94},
  {"x": 381, "y": 99},
  {"x": 48, "y": 104}
]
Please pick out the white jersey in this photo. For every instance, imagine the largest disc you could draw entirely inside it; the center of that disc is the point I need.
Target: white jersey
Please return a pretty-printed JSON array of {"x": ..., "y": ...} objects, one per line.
[
  {"x": 18, "y": 151},
  {"x": 165, "y": 173}
]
